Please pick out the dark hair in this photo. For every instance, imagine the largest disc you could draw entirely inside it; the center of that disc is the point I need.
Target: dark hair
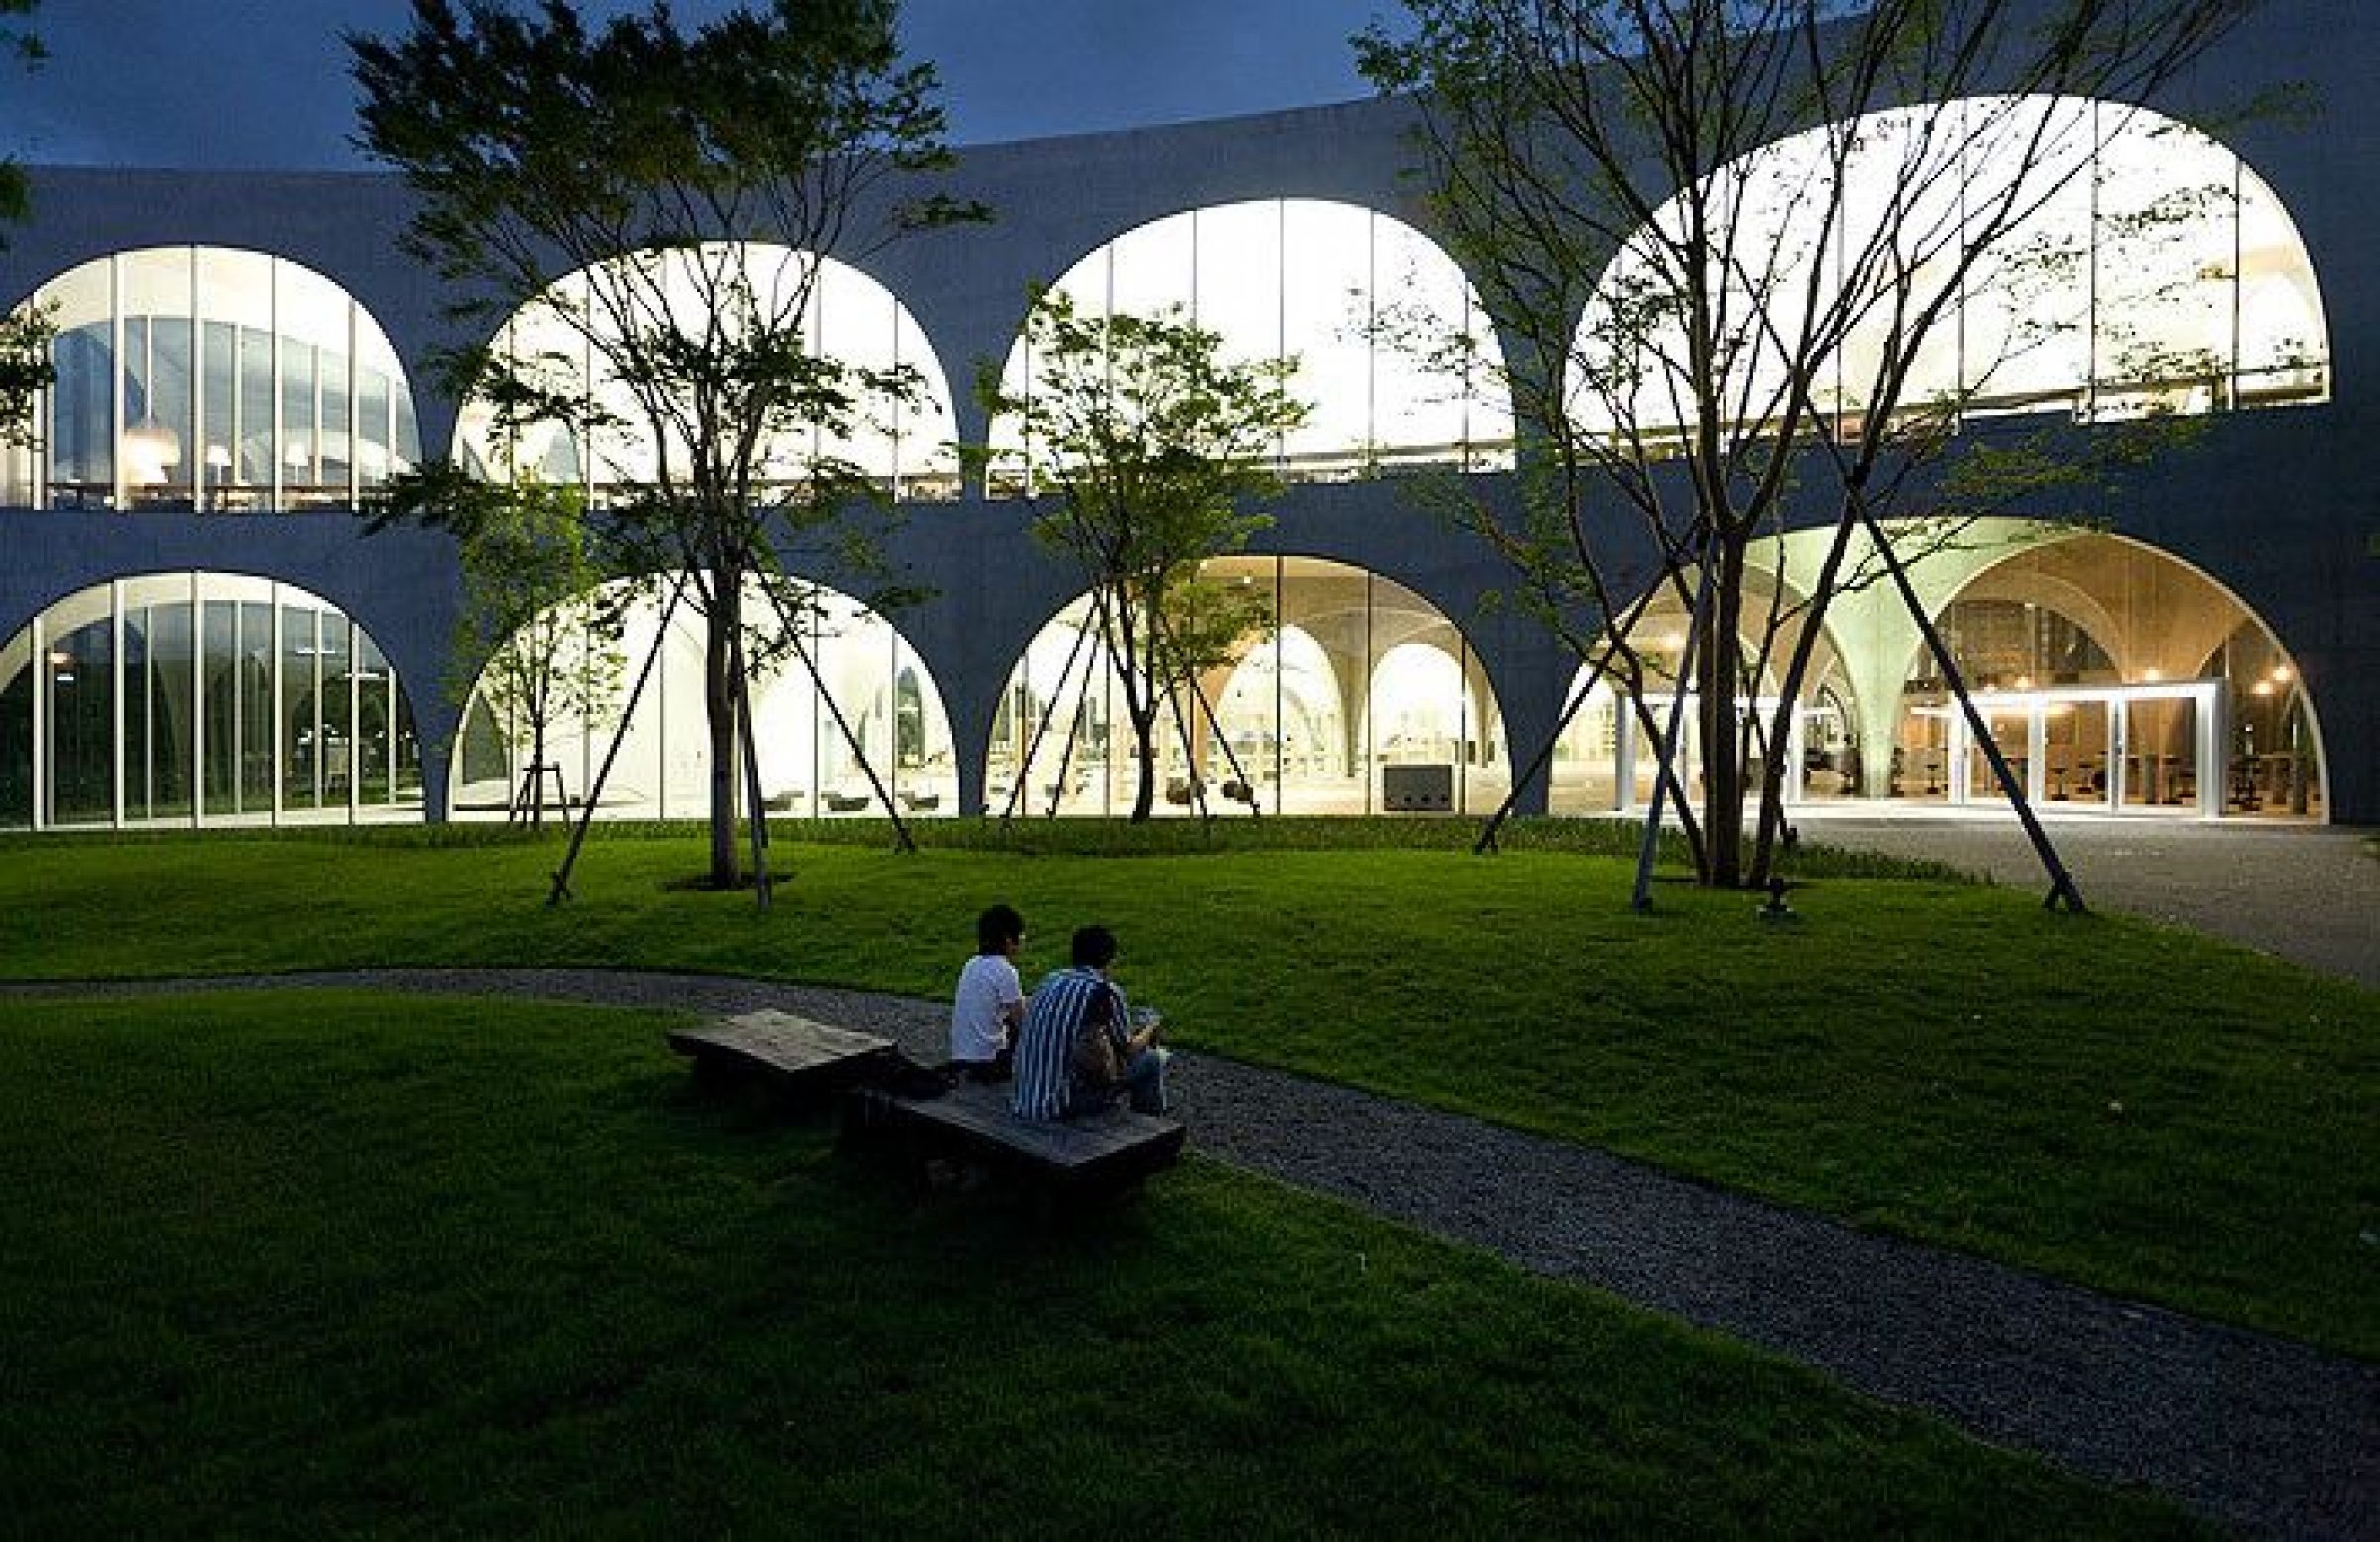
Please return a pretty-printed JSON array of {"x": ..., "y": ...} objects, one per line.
[
  {"x": 997, "y": 928},
  {"x": 1094, "y": 948}
]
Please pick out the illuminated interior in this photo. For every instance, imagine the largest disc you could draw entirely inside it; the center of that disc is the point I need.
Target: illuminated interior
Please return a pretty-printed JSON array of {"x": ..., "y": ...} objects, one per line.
[
  {"x": 2147, "y": 269},
  {"x": 905, "y": 444},
  {"x": 1358, "y": 301},
  {"x": 195, "y": 378},
  {"x": 808, "y": 764},
  {"x": 1358, "y": 697},
  {"x": 201, "y": 698},
  {"x": 2114, "y": 679}
]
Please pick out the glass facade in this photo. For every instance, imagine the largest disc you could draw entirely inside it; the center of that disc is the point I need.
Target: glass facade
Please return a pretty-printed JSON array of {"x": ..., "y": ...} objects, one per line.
[
  {"x": 2148, "y": 270},
  {"x": 200, "y": 698},
  {"x": 1358, "y": 299},
  {"x": 908, "y": 446},
  {"x": 1358, "y": 697},
  {"x": 210, "y": 380},
  {"x": 2114, "y": 679},
  {"x": 865, "y": 671}
]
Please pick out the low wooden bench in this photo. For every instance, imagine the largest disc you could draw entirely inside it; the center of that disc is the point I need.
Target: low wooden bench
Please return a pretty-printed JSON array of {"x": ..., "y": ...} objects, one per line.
[
  {"x": 806, "y": 1060},
  {"x": 1092, "y": 1157}
]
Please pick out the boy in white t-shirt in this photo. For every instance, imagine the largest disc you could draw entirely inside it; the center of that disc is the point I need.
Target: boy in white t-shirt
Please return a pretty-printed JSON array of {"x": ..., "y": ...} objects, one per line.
[{"x": 988, "y": 1006}]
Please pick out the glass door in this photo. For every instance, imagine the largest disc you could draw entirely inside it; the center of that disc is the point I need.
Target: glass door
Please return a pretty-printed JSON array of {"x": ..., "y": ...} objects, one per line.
[
  {"x": 2075, "y": 752},
  {"x": 2011, "y": 726},
  {"x": 2160, "y": 765}
]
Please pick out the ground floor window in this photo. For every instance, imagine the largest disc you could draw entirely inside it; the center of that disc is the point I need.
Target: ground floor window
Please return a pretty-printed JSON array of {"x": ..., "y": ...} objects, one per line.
[
  {"x": 2112, "y": 677},
  {"x": 846, "y": 715},
  {"x": 202, "y": 699},
  {"x": 1348, "y": 694}
]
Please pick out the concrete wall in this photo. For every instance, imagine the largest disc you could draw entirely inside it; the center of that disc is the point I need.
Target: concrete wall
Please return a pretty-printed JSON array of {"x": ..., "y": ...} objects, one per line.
[{"x": 2281, "y": 505}]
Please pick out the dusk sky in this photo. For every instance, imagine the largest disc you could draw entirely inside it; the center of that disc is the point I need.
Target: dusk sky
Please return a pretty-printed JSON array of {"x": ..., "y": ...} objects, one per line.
[{"x": 264, "y": 83}]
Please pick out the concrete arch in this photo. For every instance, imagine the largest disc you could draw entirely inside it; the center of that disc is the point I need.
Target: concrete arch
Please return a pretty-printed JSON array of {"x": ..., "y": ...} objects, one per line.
[
  {"x": 219, "y": 697},
  {"x": 1365, "y": 299},
  {"x": 878, "y": 682},
  {"x": 2193, "y": 289},
  {"x": 839, "y": 312},
  {"x": 1059, "y": 728},
  {"x": 211, "y": 378},
  {"x": 2171, "y": 618}
]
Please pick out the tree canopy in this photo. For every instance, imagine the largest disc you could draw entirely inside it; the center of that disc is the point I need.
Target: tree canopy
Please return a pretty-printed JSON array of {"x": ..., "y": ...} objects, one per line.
[
  {"x": 25, "y": 334},
  {"x": 1151, "y": 447},
  {"x": 1710, "y": 327},
  {"x": 663, "y": 199}
]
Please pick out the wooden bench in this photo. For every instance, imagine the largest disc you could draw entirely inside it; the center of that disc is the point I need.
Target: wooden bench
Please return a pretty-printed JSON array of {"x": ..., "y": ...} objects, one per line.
[
  {"x": 1096, "y": 1156},
  {"x": 806, "y": 1060}
]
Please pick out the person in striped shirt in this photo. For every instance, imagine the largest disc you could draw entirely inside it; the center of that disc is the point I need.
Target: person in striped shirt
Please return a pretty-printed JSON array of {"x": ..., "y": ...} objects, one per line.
[{"x": 1078, "y": 1052}]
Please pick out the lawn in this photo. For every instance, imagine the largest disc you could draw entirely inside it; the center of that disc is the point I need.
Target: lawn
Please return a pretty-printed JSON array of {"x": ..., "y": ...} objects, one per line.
[
  {"x": 315, "y": 1263},
  {"x": 2109, "y": 1101}
]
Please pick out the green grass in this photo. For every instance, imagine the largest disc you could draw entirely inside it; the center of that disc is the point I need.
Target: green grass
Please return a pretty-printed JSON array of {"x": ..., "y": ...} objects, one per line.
[
  {"x": 304, "y": 1263},
  {"x": 2113, "y": 1102}
]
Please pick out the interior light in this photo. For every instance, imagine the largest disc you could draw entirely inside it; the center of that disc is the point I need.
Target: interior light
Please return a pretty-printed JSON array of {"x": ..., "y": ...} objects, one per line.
[
  {"x": 2261, "y": 688},
  {"x": 2152, "y": 675},
  {"x": 2280, "y": 674},
  {"x": 152, "y": 441},
  {"x": 2024, "y": 682}
]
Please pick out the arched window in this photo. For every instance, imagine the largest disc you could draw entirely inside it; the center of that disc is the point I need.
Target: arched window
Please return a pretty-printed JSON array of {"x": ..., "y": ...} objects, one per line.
[
  {"x": 202, "y": 378},
  {"x": 1394, "y": 356},
  {"x": 2145, "y": 268},
  {"x": 2117, "y": 678},
  {"x": 1360, "y": 696},
  {"x": 201, "y": 698},
  {"x": 907, "y": 444},
  {"x": 872, "y": 678}
]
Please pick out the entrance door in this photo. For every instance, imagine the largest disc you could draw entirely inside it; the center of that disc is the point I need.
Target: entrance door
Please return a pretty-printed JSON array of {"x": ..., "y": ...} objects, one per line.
[{"x": 2011, "y": 726}]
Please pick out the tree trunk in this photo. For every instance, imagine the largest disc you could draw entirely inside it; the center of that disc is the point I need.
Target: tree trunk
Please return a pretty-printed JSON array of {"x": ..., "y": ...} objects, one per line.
[
  {"x": 1144, "y": 733},
  {"x": 719, "y": 704},
  {"x": 1797, "y": 672},
  {"x": 537, "y": 771},
  {"x": 1722, "y": 669}
]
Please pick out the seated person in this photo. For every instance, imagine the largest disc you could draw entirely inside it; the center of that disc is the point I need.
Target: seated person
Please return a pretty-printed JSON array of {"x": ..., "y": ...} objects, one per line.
[
  {"x": 988, "y": 1007},
  {"x": 1076, "y": 1054}
]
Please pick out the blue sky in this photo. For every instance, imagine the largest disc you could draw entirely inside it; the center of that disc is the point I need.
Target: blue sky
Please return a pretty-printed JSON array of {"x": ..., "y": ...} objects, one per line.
[{"x": 264, "y": 83}]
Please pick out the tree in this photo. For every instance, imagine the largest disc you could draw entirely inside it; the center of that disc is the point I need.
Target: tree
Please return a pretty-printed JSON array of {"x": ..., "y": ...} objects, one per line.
[
  {"x": 1151, "y": 446},
  {"x": 1725, "y": 235},
  {"x": 25, "y": 334},
  {"x": 535, "y": 638},
  {"x": 661, "y": 202},
  {"x": 26, "y": 368}
]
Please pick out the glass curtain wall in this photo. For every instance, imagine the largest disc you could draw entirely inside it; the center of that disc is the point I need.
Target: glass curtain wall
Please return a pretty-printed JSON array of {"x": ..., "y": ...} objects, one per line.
[
  {"x": 2135, "y": 682},
  {"x": 210, "y": 380},
  {"x": 2157, "y": 273},
  {"x": 1358, "y": 299},
  {"x": 1360, "y": 697},
  {"x": 2116, "y": 679},
  {"x": 908, "y": 447},
  {"x": 893, "y": 720},
  {"x": 199, "y": 699}
]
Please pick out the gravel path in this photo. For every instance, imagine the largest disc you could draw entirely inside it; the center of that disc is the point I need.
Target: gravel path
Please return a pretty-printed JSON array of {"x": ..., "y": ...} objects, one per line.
[{"x": 2266, "y": 1436}]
